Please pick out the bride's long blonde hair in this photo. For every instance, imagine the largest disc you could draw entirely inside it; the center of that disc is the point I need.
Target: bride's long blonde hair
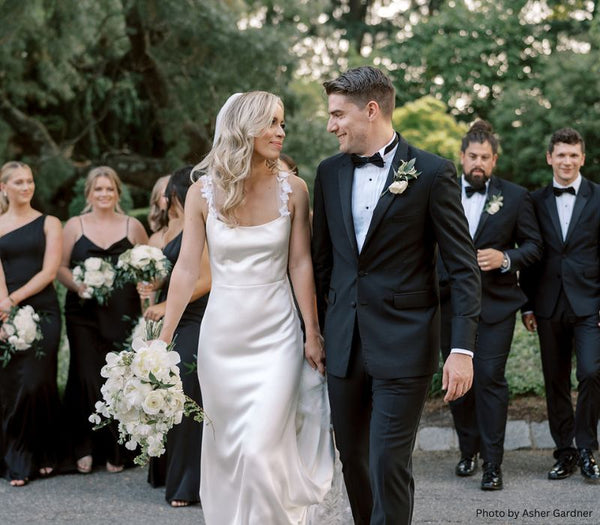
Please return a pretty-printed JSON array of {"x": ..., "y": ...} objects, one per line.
[{"x": 243, "y": 118}]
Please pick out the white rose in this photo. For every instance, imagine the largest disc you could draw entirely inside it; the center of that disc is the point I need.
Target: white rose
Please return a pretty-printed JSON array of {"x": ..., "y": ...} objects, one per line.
[
  {"x": 109, "y": 276},
  {"x": 153, "y": 403},
  {"x": 77, "y": 275},
  {"x": 494, "y": 207},
  {"x": 9, "y": 329},
  {"x": 93, "y": 263},
  {"x": 94, "y": 278},
  {"x": 398, "y": 186}
]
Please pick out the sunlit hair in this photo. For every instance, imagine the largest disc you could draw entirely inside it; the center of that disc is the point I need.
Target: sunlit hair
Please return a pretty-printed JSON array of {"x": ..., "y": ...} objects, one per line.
[
  {"x": 110, "y": 174},
  {"x": 157, "y": 218},
  {"x": 5, "y": 173},
  {"x": 566, "y": 136},
  {"x": 229, "y": 160},
  {"x": 290, "y": 162},
  {"x": 363, "y": 84},
  {"x": 481, "y": 131}
]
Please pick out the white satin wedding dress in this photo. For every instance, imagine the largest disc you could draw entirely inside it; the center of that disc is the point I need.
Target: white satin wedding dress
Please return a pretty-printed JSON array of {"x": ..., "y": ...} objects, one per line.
[{"x": 267, "y": 452}]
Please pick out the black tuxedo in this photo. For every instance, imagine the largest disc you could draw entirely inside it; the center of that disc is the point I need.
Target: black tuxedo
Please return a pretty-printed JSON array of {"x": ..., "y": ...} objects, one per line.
[
  {"x": 480, "y": 415},
  {"x": 380, "y": 315},
  {"x": 564, "y": 294}
]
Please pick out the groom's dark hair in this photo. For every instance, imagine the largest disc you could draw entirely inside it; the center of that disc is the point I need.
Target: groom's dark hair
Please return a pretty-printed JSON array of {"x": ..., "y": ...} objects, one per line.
[
  {"x": 363, "y": 84},
  {"x": 566, "y": 136}
]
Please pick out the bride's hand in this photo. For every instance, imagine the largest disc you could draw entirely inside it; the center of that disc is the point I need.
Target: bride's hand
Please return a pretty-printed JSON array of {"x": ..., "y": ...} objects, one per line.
[{"x": 314, "y": 352}]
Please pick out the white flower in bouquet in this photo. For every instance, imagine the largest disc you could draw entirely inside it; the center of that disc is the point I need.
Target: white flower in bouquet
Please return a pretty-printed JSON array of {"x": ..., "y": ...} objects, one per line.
[
  {"x": 21, "y": 331},
  {"x": 143, "y": 392},
  {"x": 142, "y": 263},
  {"x": 98, "y": 276}
]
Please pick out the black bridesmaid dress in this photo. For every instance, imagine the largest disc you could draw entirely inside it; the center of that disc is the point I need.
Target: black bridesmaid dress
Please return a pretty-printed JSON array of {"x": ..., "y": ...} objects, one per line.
[
  {"x": 179, "y": 467},
  {"x": 29, "y": 403},
  {"x": 93, "y": 331}
]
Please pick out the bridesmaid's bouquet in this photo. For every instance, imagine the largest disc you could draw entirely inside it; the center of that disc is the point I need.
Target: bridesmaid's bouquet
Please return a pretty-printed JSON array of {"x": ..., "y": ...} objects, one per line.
[
  {"x": 98, "y": 276},
  {"x": 142, "y": 263},
  {"x": 144, "y": 394},
  {"x": 19, "y": 332}
]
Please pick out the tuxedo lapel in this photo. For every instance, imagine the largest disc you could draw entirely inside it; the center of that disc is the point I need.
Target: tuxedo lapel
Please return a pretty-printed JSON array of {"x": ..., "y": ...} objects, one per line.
[
  {"x": 345, "y": 180},
  {"x": 493, "y": 190},
  {"x": 580, "y": 201},
  {"x": 386, "y": 200},
  {"x": 550, "y": 203}
]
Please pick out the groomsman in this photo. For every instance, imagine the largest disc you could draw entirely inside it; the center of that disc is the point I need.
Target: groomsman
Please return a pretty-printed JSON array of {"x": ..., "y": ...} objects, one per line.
[
  {"x": 506, "y": 236},
  {"x": 564, "y": 294}
]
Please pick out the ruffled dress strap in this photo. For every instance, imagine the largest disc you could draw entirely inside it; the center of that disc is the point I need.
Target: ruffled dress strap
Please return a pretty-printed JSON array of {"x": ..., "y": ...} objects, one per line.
[
  {"x": 207, "y": 188},
  {"x": 284, "y": 193}
]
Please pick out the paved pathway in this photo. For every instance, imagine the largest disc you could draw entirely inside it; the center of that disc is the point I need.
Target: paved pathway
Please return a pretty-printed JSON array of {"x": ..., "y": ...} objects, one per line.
[{"x": 441, "y": 498}]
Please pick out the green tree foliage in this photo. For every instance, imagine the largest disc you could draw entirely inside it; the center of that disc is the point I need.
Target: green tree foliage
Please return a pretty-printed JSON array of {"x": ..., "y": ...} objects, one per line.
[{"x": 427, "y": 124}]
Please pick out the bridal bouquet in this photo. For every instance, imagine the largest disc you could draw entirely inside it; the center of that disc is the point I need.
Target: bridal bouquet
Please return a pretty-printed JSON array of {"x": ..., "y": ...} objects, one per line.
[
  {"x": 144, "y": 394},
  {"x": 19, "y": 332},
  {"x": 98, "y": 276}
]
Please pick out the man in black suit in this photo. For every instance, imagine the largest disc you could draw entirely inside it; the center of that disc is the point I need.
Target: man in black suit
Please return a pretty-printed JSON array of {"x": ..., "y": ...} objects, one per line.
[
  {"x": 506, "y": 236},
  {"x": 564, "y": 299},
  {"x": 377, "y": 225}
]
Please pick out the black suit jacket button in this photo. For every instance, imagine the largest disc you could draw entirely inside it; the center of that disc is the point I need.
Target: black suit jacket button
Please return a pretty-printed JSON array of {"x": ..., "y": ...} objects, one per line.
[{"x": 353, "y": 304}]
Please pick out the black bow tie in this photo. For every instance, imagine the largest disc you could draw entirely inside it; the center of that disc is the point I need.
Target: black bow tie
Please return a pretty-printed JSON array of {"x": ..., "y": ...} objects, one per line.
[
  {"x": 469, "y": 190},
  {"x": 561, "y": 191},
  {"x": 376, "y": 159}
]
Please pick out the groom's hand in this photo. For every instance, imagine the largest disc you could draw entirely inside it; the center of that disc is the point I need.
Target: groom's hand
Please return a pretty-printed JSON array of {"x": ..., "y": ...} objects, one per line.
[{"x": 457, "y": 376}]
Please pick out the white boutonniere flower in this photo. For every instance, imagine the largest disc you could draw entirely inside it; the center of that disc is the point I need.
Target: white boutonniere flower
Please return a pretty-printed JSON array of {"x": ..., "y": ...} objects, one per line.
[
  {"x": 403, "y": 175},
  {"x": 494, "y": 204}
]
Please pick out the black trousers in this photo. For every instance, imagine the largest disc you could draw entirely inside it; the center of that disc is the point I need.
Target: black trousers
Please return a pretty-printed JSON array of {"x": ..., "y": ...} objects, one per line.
[
  {"x": 480, "y": 415},
  {"x": 559, "y": 335},
  {"x": 375, "y": 423}
]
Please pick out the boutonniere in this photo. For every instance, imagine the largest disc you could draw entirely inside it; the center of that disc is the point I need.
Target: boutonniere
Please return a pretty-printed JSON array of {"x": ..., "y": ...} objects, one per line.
[
  {"x": 494, "y": 204},
  {"x": 403, "y": 175}
]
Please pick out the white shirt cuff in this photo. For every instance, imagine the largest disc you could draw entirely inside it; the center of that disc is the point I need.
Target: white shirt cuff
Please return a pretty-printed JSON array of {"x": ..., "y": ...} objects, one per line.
[
  {"x": 461, "y": 351},
  {"x": 507, "y": 269}
]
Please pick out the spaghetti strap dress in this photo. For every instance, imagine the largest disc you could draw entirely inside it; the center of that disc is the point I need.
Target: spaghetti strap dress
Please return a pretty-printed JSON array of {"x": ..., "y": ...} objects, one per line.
[
  {"x": 29, "y": 403},
  {"x": 179, "y": 468},
  {"x": 93, "y": 330},
  {"x": 267, "y": 453}
]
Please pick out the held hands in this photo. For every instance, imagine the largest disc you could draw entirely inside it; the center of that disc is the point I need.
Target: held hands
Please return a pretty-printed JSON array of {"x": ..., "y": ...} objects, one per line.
[
  {"x": 529, "y": 321},
  {"x": 457, "y": 376},
  {"x": 146, "y": 289},
  {"x": 489, "y": 259},
  {"x": 315, "y": 353}
]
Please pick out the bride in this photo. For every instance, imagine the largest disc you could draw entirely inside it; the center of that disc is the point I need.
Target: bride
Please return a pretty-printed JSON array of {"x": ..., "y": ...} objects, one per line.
[{"x": 267, "y": 451}]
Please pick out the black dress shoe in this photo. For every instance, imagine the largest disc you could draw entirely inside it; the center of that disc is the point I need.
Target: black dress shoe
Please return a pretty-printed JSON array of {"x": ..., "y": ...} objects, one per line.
[
  {"x": 564, "y": 467},
  {"x": 492, "y": 477},
  {"x": 466, "y": 466},
  {"x": 588, "y": 465}
]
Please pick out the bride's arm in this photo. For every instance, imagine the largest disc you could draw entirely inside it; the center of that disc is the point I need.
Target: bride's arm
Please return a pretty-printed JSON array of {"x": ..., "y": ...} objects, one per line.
[
  {"x": 187, "y": 268},
  {"x": 301, "y": 273}
]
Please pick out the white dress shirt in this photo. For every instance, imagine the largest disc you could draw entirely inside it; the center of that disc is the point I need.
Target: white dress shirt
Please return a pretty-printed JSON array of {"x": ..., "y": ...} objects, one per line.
[
  {"x": 473, "y": 205},
  {"x": 367, "y": 188},
  {"x": 565, "y": 203}
]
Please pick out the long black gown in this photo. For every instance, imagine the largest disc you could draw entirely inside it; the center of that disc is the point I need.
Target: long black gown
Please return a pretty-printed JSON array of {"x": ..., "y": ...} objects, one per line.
[
  {"x": 93, "y": 331},
  {"x": 29, "y": 403},
  {"x": 179, "y": 468}
]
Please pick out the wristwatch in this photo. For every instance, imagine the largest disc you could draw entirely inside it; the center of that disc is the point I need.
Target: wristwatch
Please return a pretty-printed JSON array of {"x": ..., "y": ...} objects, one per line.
[{"x": 504, "y": 265}]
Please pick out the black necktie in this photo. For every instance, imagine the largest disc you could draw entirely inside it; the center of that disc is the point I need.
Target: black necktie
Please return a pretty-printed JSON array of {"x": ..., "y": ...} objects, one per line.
[
  {"x": 376, "y": 159},
  {"x": 561, "y": 191},
  {"x": 469, "y": 190}
]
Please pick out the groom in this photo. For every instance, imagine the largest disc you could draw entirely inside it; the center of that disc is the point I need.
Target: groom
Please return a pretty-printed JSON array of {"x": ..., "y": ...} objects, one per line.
[{"x": 377, "y": 227}]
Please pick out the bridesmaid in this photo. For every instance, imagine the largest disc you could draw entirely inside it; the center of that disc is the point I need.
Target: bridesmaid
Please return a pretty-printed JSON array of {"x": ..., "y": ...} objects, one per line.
[
  {"x": 30, "y": 246},
  {"x": 157, "y": 215},
  {"x": 179, "y": 468},
  {"x": 103, "y": 230}
]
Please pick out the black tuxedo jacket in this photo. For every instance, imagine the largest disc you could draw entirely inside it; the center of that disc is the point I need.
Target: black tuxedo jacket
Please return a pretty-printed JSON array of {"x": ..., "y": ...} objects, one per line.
[
  {"x": 573, "y": 264},
  {"x": 512, "y": 229},
  {"x": 390, "y": 289}
]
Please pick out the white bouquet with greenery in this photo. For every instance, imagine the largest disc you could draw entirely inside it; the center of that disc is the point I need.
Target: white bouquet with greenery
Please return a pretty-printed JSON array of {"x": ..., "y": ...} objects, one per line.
[
  {"x": 98, "y": 277},
  {"x": 19, "y": 332},
  {"x": 142, "y": 263},
  {"x": 144, "y": 394}
]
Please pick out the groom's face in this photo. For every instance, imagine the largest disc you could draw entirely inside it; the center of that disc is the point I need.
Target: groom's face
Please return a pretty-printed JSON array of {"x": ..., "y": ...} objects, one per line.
[{"x": 349, "y": 123}]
